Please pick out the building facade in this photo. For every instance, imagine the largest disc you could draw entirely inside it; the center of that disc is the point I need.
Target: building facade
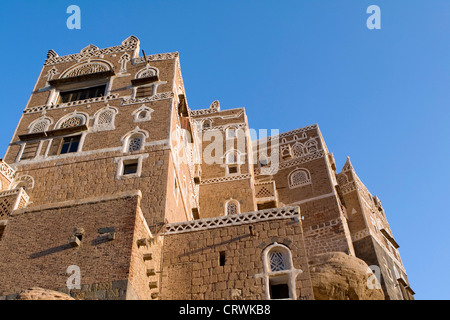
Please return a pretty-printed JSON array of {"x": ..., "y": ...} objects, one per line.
[{"x": 111, "y": 174}]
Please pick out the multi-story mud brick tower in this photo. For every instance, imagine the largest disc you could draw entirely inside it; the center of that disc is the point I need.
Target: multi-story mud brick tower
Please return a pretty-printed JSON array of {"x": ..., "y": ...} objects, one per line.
[{"x": 113, "y": 188}]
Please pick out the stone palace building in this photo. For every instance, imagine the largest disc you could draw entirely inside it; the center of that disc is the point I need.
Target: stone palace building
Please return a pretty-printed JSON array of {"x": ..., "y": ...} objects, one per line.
[{"x": 113, "y": 188}]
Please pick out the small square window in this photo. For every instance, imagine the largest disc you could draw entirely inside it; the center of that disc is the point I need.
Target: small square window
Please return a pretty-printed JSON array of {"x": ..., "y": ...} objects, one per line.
[
  {"x": 130, "y": 168},
  {"x": 279, "y": 291},
  {"x": 232, "y": 169}
]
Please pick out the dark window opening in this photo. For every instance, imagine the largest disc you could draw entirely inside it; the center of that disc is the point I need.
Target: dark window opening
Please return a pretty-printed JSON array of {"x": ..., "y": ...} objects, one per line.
[
  {"x": 142, "y": 92},
  {"x": 70, "y": 144},
  {"x": 130, "y": 168},
  {"x": 279, "y": 290},
  {"x": 29, "y": 152},
  {"x": 267, "y": 205},
  {"x": 232, "y": 169},
  {"x": 82, "y": 94},
  {"x": 2, "y": 229},
  {"x": 222, "y": 258}
]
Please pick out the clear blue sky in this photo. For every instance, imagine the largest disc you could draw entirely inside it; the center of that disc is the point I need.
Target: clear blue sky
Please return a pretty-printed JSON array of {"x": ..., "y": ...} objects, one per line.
[{"x": 380, "y": 96}]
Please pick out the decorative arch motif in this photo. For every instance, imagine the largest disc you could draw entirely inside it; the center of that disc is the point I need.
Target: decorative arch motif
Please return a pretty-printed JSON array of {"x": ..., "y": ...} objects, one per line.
[
  {"x": 25, "y": 181},
  {"x": 298, "y": 178},
  {"x": 143, "y": 113},
  {"x": 279, "y": 272},
  {"x": 232, "y": 207},
  {"x": 87, "y": 67},
  {"x": 147, "y": 72},
  {"x": 40, "y": 125},
  {"x": 233, "y": 157},
  {"x": 311, "y": 146},
  {"x": 297, "y": 149},
  {"x": 134, "y": 140},
  {"x": 72, "y": 120},
  {"x": 206, "y": 124},
  {"x": 104, "y": 118}
]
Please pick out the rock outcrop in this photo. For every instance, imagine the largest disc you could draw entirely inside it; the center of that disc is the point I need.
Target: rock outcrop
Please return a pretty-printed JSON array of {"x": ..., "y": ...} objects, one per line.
[
  {"x": 42, "y": 294},
  {"x": 338, "y": 276}
]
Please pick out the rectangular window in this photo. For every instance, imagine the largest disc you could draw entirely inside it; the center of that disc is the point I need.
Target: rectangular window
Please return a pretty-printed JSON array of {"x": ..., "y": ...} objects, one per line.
[
  {"x": 130, "y": 167},
  {"x": 82, "y": 94},
  {"x": 232, "y": 169},
  {"x": 70, "y": 144},
  {"x": 221, "y": 258},
  {"x": 142, "y": 92},
  {"x": 29, "y": 152},
  {"x": 2, "y": 229}
]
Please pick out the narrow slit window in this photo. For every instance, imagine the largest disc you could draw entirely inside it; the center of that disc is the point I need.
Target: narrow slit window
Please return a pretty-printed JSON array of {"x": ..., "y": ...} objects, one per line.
[{"x": 222, "y": 258}]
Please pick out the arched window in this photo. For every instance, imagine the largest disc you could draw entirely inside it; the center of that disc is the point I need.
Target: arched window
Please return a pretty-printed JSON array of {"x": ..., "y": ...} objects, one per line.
[
  {"x": 40, "y": 125},
  {"x": 142, "y": 114},
  {"x": 298, "y": 178},
  {"x": 231, "y": 207},
  {"x": 104, "y": 119},
  {"x": 231, "y": 133},
  {"x": 279, "y": 272},
  {"x": 135, "y": 142},
  {"x": 311, "y": 146},
  {"x": 72, "y": 121},
  {"x": 297, "y": 148},
  {"x": 206, "y": 124},
  {"x": 277, "y": 260},
  {"x": 232, "y": 162},
  {"x": 232, "y": 158}
]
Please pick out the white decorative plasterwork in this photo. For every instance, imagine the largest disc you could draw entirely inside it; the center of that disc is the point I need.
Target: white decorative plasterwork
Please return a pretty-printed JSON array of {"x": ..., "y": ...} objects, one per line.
[
  {"x": 213, "y": 108},
  {"x": 155, "y": 57},
  {"x": 298, "y": 132},
  {"x": 147, "y": 72},
  {"x": 9, "y": 203},
  {"x": 87, "y": 67},
  {"x": 7, "y": 171},
  {"x": 298, "y": 178},
  {"x": 155, "y": 97},
  {"x": 292, "y": 162},
  {"x": 134, "y": 140},
  {"x": 51, "y": 73},
  {"x": 40, "y": 125},
  {"x": 70, "y": 104},
  {"x": 142, "y": 114},
  {"x": 26, "y": 180},
  {"x": 123, "y": 62},
  {"x": 129, "y": 44},
  {"x": 104, "y": 119},
  {"x": 73, "y": 119},
  {"x": 233, "y": 220},
  {"x": 225, "y": 179}
]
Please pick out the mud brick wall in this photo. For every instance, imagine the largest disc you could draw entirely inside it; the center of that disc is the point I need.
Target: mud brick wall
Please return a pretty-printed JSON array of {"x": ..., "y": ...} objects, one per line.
[
  {"x": 191, "y": 266},
  {"x": 35, "y": 247}
]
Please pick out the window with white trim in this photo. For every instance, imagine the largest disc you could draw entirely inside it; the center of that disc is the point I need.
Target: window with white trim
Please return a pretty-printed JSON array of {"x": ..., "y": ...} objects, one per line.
[
  {"x": 232, "y": 207},
  {"x": 135, "y": 142},
  {"x": 298, "y": 178},
  {"x": 279, "y": 272}
]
